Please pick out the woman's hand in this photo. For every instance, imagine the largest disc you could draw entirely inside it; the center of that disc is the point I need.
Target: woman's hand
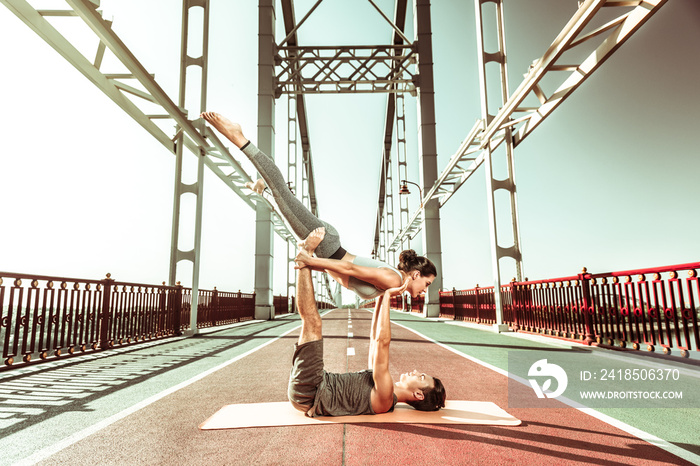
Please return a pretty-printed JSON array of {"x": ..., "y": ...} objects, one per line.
[{"x": 397, "y": 291}]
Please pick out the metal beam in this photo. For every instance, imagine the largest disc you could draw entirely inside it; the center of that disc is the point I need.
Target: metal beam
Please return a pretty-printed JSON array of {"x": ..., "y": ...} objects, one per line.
[
  {"x": 400, "y": 10},
  {"x": 264, "y": 245},
  {"x": 398, "y": 28},
  {"x": 291, "y": 28},
  {"x": 618, "y": 32},
  {"x": 427, "y": 147},
  {"x": 345, "y": 69}
]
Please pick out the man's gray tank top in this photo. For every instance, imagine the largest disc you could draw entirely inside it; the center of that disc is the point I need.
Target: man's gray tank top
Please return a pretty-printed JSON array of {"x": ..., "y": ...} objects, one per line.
[
  {"x": 346, "y": 394},
  {"x": 363, "y": 289}
]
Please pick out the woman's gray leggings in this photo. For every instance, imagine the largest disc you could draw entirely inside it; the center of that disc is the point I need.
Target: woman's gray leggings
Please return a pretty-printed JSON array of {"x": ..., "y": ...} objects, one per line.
[{"x": 297, "y": 215}]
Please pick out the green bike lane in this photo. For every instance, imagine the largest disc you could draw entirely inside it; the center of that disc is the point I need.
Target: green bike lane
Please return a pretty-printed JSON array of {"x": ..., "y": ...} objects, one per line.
[
  {"x": 677, "y": 428},
  {"x": 47, "y": 407}
]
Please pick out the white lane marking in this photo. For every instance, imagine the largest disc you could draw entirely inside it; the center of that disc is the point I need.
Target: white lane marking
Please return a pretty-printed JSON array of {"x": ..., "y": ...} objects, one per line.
[
  {"x": 351, "y": 351},
  {"x": 78, "y": 436},
  {"x": 647, "y": 437},
  {"x": 350, "y": 335}
]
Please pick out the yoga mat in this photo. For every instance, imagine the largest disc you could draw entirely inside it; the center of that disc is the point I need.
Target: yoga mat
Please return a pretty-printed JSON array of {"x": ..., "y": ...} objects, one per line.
[{"x": 283, "y": 414}]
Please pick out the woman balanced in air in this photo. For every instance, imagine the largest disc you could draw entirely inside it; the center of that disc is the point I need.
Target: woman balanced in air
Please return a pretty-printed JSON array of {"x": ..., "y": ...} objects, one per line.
[{"x": 368, "y": 278}]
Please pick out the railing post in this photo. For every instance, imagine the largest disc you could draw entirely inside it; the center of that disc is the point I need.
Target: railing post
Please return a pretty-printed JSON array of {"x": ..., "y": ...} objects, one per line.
[
  {"x": 163, "y": 294},
  {"x": 587, "y": 305},
  {"x": 214, "y": 307},
  {"x": 177, "y": 309},
  {"x": 517, "y": 303},
  {"x": 106, "y": 312},
  {"x": 476, "y": 303},
  {"x": 238, "y": 305}
]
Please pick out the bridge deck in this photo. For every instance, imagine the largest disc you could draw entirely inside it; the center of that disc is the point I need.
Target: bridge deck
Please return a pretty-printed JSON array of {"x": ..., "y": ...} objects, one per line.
[{"x": 143, "y": 405}]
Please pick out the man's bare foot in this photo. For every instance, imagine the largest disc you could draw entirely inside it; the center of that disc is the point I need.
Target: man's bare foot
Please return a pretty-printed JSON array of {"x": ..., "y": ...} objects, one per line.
[
  {"x": 231, "y": 130},
  {"x": 313, "y": 240},
  {"x": 258, "y": 186}
]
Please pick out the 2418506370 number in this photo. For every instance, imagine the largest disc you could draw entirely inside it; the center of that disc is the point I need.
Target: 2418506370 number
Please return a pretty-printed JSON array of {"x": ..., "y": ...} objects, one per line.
[{"x": 640, "y": 374}]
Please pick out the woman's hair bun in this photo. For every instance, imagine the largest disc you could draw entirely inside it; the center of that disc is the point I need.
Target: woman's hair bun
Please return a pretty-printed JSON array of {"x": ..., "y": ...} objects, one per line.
[{"x": 407, "y": 259}]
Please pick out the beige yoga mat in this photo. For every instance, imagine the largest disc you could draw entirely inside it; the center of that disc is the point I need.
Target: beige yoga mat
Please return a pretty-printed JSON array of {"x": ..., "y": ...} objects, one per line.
[{"x": 284, "y": 414}]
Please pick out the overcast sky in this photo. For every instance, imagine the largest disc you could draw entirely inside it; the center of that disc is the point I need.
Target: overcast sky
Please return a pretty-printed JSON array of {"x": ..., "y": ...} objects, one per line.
[{"x": 609, "y": 181}]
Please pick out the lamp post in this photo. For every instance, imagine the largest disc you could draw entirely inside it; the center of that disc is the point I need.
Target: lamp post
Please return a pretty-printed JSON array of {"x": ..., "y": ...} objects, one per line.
[{"x": 404, "y": 190}]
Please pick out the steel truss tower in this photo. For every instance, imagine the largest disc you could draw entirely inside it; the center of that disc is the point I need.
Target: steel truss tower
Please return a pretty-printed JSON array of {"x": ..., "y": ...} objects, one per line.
[
  {"x": 197, "y": 189},
  {"x": 376, "y": 69},
  {"x": 492, "y": 183}
]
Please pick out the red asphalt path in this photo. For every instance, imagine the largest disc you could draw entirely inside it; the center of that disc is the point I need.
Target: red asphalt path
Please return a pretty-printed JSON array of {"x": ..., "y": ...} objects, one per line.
[{"x": 166, "y": 432}]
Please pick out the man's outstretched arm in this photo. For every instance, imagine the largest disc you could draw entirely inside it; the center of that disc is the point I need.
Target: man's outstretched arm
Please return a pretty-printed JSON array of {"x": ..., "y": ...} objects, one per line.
[
  {"x": 311, "y": 324},
  {"x": 383, "y": 391}
]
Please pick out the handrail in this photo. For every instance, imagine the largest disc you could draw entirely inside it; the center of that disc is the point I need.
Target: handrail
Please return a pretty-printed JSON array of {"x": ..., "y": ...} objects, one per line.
[
  {"x": 663, "y": 312},
  {"x": 48, "y": 317}
]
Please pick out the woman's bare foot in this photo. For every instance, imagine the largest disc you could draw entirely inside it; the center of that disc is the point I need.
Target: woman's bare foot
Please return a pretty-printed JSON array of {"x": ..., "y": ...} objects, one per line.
[
  {"x": 302, "y": 259},
  {"x": 313, "y": 240},
  {"x": 257, "y": 186},
  {"x": 231, "y": 130}
]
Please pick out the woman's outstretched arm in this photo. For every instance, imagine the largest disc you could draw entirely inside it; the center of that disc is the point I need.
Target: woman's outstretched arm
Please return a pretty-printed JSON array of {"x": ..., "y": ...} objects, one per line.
[
  {"x": 383, "y": 392},
  {"x": 373, "y": 332}
]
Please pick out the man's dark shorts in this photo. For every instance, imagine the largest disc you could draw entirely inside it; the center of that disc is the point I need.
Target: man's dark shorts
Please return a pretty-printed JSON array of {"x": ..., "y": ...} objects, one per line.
[{"x": 306, "y": 374}]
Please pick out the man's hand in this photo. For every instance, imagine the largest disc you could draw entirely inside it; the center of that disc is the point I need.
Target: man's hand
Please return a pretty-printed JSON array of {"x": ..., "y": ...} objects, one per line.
[{"x": 302, "y": 259}]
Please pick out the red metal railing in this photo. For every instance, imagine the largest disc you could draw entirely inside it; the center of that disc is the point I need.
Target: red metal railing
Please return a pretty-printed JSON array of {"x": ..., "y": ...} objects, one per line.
[
  {"x": 43, "y": 316},
  {"x": 475, "y": 305},
  {"x": 321, "y": 305},
  {"x": 283, "y": 309},
  {"x": 221, "y": 308},
  {"x": 552, "y": 306},
  {"x": 651, "y": 307},
  {"x": 417, "y": 304},
  {"x": 281, "y": 304},
  {"x": 650, "y": 310},
  {"x": 397, "y": 303}
]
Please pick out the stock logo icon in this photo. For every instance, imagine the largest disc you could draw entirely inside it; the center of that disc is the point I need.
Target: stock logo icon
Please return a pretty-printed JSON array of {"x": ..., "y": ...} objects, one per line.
[{"x": 542, "y": 368}]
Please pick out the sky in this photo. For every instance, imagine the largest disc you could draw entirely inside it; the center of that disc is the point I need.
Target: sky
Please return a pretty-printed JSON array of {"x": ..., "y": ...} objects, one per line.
[{"x": 609, "y": 181}]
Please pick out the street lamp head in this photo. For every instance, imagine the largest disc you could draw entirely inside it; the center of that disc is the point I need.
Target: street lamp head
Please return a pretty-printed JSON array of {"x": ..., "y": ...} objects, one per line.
[{"x": 404, "y": 189}]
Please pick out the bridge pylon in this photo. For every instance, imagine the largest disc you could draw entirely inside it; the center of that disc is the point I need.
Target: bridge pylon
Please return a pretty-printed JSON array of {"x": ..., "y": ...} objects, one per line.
[{"x": 494, "y": 184}]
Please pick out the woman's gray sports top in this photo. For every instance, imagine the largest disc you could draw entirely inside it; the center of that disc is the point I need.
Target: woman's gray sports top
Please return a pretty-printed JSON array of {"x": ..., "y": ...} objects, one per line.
[{"x": 363, "y": 289}]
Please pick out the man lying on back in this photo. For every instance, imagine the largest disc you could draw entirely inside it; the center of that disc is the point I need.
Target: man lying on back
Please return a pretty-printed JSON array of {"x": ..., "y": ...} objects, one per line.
[{"x": 372, "y": 391}]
